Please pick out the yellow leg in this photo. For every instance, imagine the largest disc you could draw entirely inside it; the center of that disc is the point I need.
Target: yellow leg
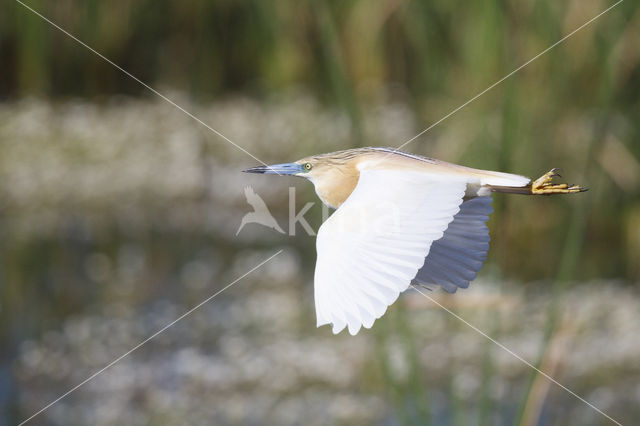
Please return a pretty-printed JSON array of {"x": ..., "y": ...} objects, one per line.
[{"x": 543, "y": 185}]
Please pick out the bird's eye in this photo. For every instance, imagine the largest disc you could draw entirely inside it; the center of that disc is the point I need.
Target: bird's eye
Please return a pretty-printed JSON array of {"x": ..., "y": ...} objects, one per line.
[{"x": 307, "y": 166}]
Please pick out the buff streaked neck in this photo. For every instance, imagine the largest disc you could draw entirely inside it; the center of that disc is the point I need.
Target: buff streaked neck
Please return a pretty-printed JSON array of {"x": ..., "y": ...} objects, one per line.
[
  {"x": 335, "y": 175},
  {"x": 334, "y": 184}
]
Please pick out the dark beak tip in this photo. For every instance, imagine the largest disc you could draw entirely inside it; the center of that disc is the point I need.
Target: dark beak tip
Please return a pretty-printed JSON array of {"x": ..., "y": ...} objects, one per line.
[
  {"x": 276, "y": 169},
  {"x": 254, "y": 170}
]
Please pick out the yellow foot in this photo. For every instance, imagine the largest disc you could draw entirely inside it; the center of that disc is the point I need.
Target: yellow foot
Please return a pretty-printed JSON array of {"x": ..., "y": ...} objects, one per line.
[{"x": 543, "y": 185}]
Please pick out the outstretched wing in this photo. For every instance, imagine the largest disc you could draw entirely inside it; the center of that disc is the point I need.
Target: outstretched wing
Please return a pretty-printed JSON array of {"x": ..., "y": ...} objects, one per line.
[
  {"x": 372, "y": 247},
  {"x": 455, "y": 259}
]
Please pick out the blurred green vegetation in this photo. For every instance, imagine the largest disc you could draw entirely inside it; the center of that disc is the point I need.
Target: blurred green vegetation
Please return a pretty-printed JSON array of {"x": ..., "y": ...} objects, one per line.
[{"x": 577, "y": 107}]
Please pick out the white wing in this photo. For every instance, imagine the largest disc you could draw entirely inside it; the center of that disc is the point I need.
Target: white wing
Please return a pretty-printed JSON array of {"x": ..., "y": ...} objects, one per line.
[
  {"x": 371, "y": 248},
  {"x": 455, "y": 259}
]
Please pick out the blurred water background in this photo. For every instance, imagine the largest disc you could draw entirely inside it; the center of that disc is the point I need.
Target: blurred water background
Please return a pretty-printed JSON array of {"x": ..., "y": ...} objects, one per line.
[{"x": 118, "y": 212}]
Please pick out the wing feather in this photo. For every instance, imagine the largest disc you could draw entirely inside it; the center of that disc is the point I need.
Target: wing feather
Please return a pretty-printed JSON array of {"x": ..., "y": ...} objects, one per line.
[
  {"x": 455, "y": 259},
  {"x": 372, "y": 247}
]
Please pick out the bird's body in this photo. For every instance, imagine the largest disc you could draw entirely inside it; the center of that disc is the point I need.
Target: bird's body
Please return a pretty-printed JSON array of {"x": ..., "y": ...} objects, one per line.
[
  {"x": 336, "y": 182},
  {"x": 401, "y": 219}
]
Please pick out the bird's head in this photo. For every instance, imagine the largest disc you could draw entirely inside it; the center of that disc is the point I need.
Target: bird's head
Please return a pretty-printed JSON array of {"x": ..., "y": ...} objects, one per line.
[
  {"x": 334, "y": 175},
  {"x": 312, "y": 168},
  {"x": 302, "y": 168}
]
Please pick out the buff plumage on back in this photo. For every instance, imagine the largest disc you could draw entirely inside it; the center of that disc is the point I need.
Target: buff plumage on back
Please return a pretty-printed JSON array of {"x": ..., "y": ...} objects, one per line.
[{"x": 373, "y": 246}]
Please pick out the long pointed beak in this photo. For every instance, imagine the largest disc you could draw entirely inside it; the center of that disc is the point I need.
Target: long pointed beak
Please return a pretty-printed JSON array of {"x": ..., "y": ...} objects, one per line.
[{"x": 277, "y": 169}]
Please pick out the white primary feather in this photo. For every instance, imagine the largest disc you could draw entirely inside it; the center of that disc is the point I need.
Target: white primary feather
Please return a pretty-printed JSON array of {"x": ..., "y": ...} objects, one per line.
[
  {"x": 455, "y": 259},
  {"x": 372, "y": 247}
]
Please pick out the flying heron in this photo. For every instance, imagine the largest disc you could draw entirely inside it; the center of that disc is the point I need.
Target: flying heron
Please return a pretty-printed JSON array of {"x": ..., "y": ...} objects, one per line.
[{"x": 401, "y": 220}]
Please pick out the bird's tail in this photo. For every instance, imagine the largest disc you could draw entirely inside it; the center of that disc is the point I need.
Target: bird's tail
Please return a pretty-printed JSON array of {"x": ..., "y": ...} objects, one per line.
[
  {"x": 540, "y": 186},
  {"x": 499, "y": 179}
]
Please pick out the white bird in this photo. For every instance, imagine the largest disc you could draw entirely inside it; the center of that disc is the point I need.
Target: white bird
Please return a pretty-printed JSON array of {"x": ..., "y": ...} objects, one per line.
[
  {"x": 260, "y": 213},
  {"x": 401, "y": 219}
]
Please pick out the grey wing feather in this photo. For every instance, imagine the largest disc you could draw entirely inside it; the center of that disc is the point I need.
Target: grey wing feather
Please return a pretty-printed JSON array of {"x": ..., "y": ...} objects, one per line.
[{"x": 455, "y": 259}]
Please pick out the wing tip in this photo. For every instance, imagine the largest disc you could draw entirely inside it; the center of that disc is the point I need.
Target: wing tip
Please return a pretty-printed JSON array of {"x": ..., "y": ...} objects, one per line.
[{"x": 337, "y": 326}]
